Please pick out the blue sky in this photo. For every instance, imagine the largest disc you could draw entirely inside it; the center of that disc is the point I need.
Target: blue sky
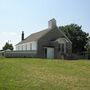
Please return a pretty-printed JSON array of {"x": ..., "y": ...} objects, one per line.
[{"x": 33, "y": 15}]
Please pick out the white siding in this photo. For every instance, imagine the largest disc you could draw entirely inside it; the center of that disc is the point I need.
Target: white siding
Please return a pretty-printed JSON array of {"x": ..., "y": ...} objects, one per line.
[
  {"x": 23, "y": 46},
  {"x": 26, "y": 46},
  {"x": 34, "y": 45},
  {"x": 20, "y": 47},
  {"x": 30, "y": 46},
  {"x": 16, "y": 47}
]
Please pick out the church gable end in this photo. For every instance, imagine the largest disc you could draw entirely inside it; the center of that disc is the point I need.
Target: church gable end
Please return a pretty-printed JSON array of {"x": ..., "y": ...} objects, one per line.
[{"x": 46, "y": 41}]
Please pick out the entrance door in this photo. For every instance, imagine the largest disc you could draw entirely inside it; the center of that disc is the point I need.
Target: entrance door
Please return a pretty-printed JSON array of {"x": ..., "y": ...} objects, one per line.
[{"x": 50, "y": 53}]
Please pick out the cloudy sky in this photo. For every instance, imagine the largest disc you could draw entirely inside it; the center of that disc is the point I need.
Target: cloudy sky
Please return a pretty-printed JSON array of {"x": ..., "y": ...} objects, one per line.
[{"x": 32, "y": 15}]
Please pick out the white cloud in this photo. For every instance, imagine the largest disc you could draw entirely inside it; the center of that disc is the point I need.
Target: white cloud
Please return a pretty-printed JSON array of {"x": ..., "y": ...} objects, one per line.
[{"x": 8, "y": 33}]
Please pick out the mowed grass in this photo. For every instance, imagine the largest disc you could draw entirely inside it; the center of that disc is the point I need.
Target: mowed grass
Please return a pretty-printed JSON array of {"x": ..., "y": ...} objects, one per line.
[{"x": 44, "y": 74}]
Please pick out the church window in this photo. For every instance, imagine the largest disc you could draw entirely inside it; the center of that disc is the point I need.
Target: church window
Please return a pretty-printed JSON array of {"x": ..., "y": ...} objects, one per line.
[
  {"x": 30, "y": 46},
  {"x": 26, "y": 47},
  {"x": 61, "y": 47}
]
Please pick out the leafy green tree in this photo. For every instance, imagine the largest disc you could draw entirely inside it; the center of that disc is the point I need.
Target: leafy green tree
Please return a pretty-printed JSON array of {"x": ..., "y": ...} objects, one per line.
[
  {"x": 8, "y": 46},
  {"x": 77, "y": 36},
  {"x": 88, "y": 45}
]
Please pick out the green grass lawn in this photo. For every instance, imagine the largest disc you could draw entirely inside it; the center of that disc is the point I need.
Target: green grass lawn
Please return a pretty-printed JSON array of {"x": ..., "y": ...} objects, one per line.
[{"x": 41, "y": 74}]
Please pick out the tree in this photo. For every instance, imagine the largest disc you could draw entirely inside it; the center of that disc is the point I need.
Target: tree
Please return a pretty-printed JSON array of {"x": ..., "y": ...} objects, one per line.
[
  {"x": 88, "y": 45},
  {"x": 8, "y": 46},
  {"x": 77, "y": 36}
]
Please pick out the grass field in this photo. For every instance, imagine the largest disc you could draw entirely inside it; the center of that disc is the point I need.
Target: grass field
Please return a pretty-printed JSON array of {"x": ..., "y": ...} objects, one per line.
[{"x": 38, "y": 74}]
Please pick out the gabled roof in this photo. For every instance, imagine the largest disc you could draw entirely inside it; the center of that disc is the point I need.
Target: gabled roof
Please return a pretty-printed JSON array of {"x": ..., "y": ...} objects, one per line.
[
  {"x": 65, "y": 36},
  {"x": 34, "y": 37}
]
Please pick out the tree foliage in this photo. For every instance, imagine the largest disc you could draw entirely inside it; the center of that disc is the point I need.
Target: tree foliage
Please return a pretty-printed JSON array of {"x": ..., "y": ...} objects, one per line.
[
  {"x": 88, "y": 45},
  {"x": 8, "y": 46},
  {"x": 77, "y": 36}
]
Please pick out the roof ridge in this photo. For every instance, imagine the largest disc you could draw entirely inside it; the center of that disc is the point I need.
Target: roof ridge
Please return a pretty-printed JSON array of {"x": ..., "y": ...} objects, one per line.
[
  {"x": 35, "y": 36},
  {"x": 40, "y": 31}
]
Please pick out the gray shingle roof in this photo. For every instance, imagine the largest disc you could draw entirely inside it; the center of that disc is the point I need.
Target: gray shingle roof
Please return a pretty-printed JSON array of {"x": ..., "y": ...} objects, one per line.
[{"x": 34, "y": 36}]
